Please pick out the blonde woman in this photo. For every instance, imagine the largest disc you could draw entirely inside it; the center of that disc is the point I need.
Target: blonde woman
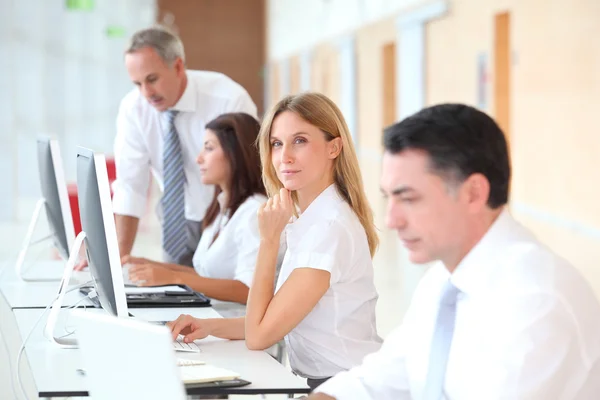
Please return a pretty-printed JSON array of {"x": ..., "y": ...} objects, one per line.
[{"x": 323, "y": 302}]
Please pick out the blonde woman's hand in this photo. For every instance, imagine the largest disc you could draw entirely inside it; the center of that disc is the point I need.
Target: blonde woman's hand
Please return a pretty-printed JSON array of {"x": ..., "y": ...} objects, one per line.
[
  {"x": 189, "y": 327},
  {"x": 274, "y": 215}
]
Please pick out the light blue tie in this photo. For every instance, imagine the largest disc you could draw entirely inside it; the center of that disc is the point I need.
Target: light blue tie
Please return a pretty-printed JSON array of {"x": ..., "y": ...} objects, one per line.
[
  {"x": 440, "y": 344},
  {"x": 173, "y": 200}
]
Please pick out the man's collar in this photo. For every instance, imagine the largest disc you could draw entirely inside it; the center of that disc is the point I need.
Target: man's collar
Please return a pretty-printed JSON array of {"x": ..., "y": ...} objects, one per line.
[
  {"x": 475, "y": 268},
  {"x": 187, "y": 101}
]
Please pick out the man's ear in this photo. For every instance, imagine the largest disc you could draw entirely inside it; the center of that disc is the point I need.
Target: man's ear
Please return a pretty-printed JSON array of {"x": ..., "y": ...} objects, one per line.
[
  {"x": 477, "y": 191},
  {"x": 335, "y": 148},
  {"x": 179, "y": 66}
]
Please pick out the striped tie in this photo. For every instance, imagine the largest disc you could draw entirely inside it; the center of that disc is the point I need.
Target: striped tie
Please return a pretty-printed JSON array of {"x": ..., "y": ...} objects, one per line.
[
  {"x": 440, "y": 344},
  {"x": 173, "y": 200}
]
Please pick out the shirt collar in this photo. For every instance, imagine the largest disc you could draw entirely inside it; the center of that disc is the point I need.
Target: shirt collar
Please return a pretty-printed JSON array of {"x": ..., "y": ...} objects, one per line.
[
  {"x": 477, "y": 266},
  {"x": 320, "y": 207},
  {"x": 187, "y": 101}
]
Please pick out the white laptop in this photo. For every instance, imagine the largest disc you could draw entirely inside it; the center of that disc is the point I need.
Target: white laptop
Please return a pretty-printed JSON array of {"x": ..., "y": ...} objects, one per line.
[
  {"x": 127, "y": 359},
  {"x": 139, "y": 361}
]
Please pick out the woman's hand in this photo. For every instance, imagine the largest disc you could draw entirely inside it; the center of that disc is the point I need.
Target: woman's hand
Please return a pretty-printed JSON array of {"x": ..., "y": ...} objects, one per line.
[
  {"x": 151, "y": 274},
  {"x": 274, "y": 215},
  {"x": 128, "y": 259},
  {"x": 191, "y": 328}
]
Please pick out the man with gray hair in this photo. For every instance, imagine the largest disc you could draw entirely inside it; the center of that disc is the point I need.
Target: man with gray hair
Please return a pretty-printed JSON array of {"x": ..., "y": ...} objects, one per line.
[{"x": 160, "y": 129}]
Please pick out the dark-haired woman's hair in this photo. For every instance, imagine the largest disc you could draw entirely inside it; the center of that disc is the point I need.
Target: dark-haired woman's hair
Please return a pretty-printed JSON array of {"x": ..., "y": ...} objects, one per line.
[{"x": 237, "y": 133}]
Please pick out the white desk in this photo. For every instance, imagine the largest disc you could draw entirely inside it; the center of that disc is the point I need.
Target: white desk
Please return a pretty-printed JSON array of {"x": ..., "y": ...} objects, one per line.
[
  {"x": 55, "y": 374},
  {"x": 23, "y": 294},
  {"x": 46, "y": 269},
  {"x": 38, "y": 295}
]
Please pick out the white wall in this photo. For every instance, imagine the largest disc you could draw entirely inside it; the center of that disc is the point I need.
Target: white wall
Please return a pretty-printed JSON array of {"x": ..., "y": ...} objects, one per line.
[
  {"x": 298, "y": 25},
  {"x": 61, "y": 75}
]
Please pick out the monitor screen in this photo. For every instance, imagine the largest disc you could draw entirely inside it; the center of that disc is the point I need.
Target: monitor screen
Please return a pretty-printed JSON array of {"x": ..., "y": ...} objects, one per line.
[
  {"x": 54, "y": 191},
  {"x": 97, "y": 221}
]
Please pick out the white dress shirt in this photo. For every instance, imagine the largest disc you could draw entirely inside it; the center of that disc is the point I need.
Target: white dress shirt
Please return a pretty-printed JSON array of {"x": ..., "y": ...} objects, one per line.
[
  {"x": 233, "y": 254},
  {"x": 341, "y": 328},
  {"x": 527, "y": 327},
  {"x": 140, "y": 134}
]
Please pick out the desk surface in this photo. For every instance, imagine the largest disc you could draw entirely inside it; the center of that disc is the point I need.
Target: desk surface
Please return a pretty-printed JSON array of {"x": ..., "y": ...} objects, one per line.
[
  {"x": 22, "y": 294},
  {"x": 46, "y": 269},
  {"x": 54, "y": 369}
]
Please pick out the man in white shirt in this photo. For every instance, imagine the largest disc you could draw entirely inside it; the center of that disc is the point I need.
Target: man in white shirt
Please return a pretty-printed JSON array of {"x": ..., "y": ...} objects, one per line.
[
  {"x": 500, "y": 316},
  {"x": 160, "y": 129}
]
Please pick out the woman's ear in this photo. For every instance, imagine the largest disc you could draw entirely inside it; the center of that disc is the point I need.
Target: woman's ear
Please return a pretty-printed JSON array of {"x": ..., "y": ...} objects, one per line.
[{"x": 334, "y": 147}]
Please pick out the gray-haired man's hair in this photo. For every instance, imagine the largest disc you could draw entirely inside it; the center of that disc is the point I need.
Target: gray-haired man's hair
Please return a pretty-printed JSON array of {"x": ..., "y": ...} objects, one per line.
[{"x": 167, "y": 45}]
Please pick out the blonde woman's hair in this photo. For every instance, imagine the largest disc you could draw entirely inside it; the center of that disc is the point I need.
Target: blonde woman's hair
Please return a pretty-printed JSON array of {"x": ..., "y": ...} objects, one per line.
[{"x": 320, "y": 111}]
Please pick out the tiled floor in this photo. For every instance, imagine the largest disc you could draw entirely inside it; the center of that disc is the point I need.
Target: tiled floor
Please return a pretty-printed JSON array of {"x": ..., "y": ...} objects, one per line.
[{"x": 388, "y": 275}]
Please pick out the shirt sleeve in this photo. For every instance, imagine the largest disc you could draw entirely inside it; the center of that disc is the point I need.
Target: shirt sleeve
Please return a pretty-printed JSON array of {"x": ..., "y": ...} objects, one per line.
[
  {"x": 381, "y": 376},
  {"x": 132, "y": 163},
  {"x": 323, "y": 246},
  {"x": 538, "y": 355}
]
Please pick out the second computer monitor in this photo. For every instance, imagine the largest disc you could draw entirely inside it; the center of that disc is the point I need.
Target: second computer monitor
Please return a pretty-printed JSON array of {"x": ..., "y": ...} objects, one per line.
[
  {"x": 56, "y": 198},
  {"x": 97, "y": 221}
]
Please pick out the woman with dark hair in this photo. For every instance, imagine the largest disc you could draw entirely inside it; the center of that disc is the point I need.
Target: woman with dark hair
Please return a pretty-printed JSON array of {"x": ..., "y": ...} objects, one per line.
[{"x": 225, "y": 259}]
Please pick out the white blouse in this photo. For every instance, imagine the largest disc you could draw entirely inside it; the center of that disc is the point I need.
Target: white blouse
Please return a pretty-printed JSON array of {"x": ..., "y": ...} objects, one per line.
[
  {"x": 341, "y": 328},
  {"x": 233, "y": 254}
]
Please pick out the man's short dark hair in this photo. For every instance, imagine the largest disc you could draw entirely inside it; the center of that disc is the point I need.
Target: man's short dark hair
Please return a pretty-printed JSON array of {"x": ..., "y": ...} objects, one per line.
[{"x": 460, "y": 141}]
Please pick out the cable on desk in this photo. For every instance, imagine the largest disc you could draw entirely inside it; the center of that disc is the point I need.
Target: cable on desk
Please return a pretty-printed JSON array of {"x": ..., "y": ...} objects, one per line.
[
  {"x": 12, "y": 380},
  {"x": 5, "y": 266},
  {"x": 22, "y": 348},
  {"x": 70, "y": 332}
]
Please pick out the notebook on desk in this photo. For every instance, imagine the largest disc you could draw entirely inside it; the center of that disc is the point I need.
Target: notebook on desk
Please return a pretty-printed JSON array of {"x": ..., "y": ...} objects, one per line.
[
  {"x": 197, "y": 374},
  {"x": 159, "y": 296}
]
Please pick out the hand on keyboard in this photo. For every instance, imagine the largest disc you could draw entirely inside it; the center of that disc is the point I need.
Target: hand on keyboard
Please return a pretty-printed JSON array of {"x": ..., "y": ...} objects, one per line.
[
  {"x": 180, "y": 345},
  {"x": 191, "y": 328},
  {"x": 127, "y": 262},
  {"x": 126, "y": 279}
]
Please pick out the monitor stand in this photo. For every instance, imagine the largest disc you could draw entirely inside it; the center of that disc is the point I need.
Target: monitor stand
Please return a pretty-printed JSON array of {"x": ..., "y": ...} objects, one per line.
[
  {"x": 67, "y": 343},
  {"x": 27, "y": 243}
]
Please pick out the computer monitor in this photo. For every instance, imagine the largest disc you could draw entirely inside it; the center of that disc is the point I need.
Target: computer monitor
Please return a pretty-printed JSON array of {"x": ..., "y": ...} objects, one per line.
[
  {"x": 100, "y": 239},
  {"x": 54, "y": 191},
  {"x": 97, "y": 221},
  {"x": 55, "y": 203},
  {"x": 102, "y": 249}
]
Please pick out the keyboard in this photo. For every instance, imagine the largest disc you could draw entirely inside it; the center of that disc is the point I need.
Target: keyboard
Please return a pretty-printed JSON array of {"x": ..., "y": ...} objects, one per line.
[
  {"x": 180, "y": 345},
  {"x": 186, "y": 362},
  {"x": 126, "y": 279}
]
